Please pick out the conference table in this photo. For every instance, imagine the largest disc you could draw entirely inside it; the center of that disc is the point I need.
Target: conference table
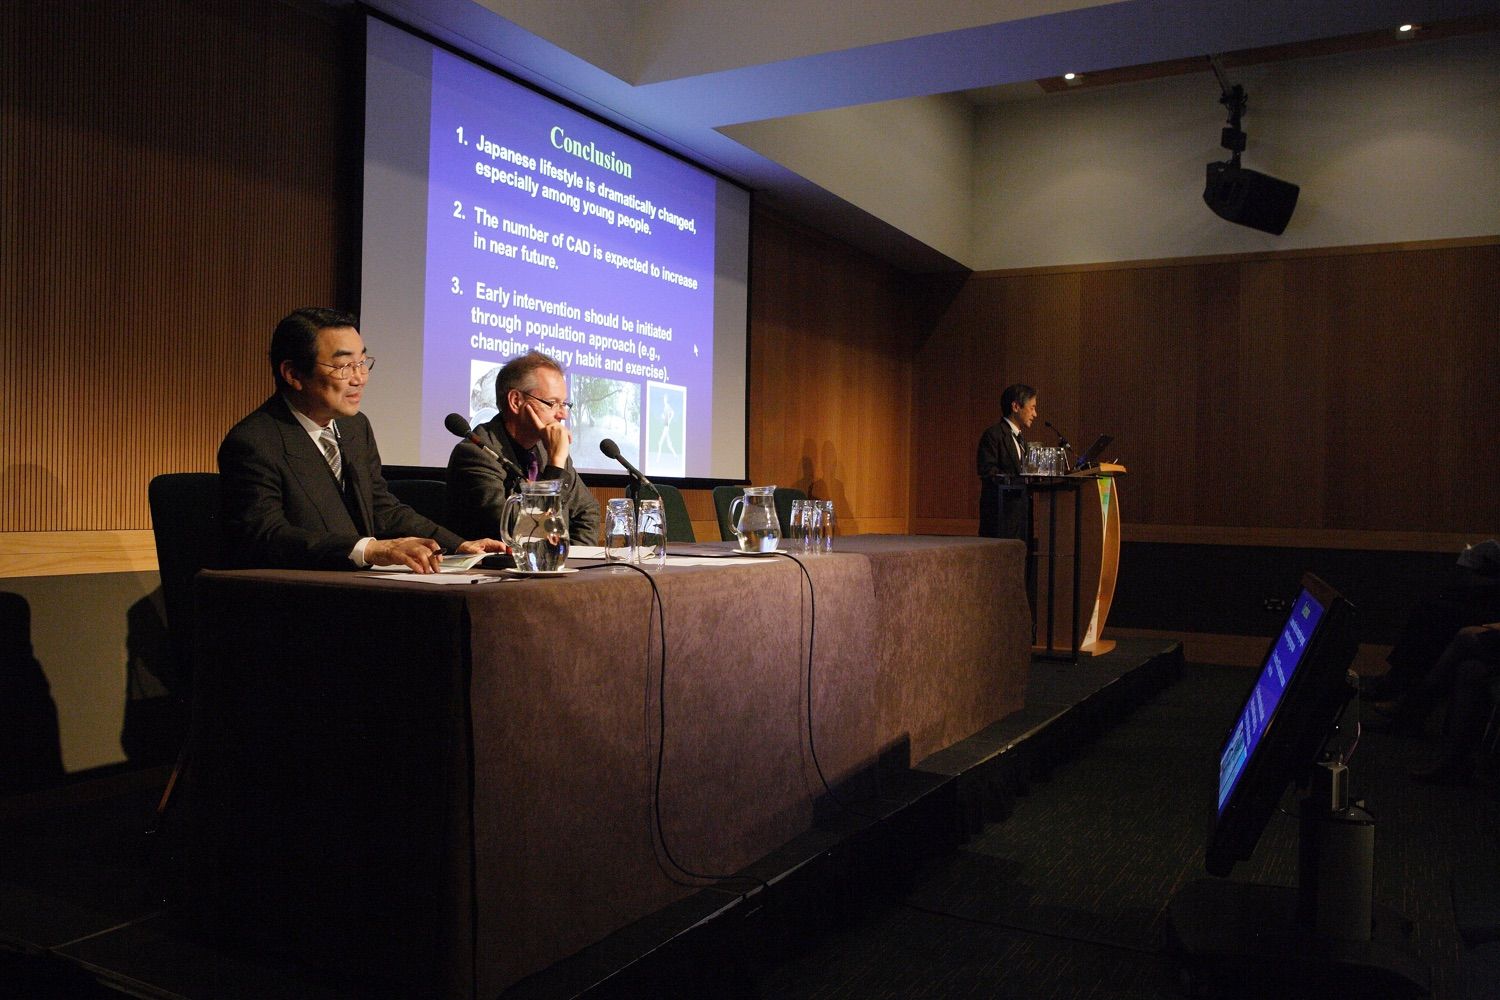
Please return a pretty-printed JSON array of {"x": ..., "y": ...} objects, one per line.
[{"x": 451, "y": 787}]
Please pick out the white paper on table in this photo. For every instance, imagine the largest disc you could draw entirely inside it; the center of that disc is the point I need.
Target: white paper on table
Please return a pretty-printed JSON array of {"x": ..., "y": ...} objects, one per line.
[{"x": 404, "y": 575}]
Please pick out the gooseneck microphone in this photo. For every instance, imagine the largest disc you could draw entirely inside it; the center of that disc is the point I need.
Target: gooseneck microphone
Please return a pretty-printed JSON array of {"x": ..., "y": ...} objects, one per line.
[
  {"x": 459, "y": 427},
  {"x": 612, "y": 450},
  {"x": 1062, "y": 441}
]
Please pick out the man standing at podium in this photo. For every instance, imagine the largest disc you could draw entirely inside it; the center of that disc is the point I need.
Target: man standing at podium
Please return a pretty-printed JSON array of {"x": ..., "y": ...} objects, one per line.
[
  {"x": 1001, "y": 457},
  {"x": 300, "y": 479}
]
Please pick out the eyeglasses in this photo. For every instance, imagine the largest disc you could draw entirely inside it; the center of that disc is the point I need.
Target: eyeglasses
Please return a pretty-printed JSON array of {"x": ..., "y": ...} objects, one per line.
[
  {"x": 556, "y": 404},
  {"x": 345, "y": 372}
]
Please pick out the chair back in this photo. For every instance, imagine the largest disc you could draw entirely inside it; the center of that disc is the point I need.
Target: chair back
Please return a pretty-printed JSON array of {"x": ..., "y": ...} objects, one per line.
[
  {"x": 784, "y": 497},
  {"x": 723, "y": 497},
  {"x": 428, "y": 497},
  {"x": 679, "y": 525},
  {"x": 186, "y": 526}
]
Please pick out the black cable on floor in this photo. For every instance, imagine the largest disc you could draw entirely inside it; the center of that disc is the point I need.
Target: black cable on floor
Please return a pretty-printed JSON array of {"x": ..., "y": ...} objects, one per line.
[{"x": 1053, "y": 935}]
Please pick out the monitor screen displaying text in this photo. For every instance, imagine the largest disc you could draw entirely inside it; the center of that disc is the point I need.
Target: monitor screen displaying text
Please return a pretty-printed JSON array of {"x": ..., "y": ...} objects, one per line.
[{"x": 1260, "y": 708}]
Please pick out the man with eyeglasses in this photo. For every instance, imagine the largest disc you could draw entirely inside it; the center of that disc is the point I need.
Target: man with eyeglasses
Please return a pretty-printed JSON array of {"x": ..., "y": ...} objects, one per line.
[
  {"x": 1003, "y": 508},
  {"x": 531, "y": 394},
  {"x": 300, "y": 480}
]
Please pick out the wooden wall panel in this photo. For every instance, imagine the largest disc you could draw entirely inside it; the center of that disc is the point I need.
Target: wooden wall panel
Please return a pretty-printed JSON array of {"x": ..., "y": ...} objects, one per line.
[
  {"x": 172, "y": 186},
  {"x": 1324, "y": 392},
  {"x": 1153, "y": 340},
  {"x": 998, "y": 330},
  {"x": 831, "y": 373}
]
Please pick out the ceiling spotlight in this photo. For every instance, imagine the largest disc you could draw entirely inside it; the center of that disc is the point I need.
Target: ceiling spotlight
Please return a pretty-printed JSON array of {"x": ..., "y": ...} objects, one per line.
[
  {"x": 1407, "y": 29},
  {"x": 1074, "y": 76},
  {"x": 1244, "y": 196}
]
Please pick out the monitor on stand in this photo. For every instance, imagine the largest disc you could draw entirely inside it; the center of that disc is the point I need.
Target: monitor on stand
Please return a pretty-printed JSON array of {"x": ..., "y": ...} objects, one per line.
[{"x": 1325, "y": 933}]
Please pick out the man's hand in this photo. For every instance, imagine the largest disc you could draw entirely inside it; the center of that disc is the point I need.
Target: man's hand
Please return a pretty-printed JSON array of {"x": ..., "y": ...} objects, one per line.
[
  {"x": 478, "y": 545},
  {"x": 420, "y": 555},
  {"x": 559, "y": 442},
  {"x": 556, "y": 435}
]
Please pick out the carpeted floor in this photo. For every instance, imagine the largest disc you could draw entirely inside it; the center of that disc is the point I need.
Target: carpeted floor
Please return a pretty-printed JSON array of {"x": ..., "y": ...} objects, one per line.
[{"x": 1067, "y": 897}]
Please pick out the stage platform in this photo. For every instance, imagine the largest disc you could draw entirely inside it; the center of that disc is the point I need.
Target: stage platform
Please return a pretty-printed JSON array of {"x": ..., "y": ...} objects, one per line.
[{"x": 79, "y": 906}]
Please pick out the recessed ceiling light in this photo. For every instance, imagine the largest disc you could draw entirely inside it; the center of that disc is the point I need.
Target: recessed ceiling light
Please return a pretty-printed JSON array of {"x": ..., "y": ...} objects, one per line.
[
  {"x": 1407, "y": 29},
  {"x": 1074, "y": 76}
]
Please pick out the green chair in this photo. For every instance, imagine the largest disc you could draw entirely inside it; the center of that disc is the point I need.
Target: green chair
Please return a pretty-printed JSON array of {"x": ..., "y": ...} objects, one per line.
[
  {"x": 185, "y": 524},
  {"x": 723, "y": 497},
  {"x": 679, "y": 525},
  {"x": 428, "y": 497},
  {"x": 784, "y": 497}
]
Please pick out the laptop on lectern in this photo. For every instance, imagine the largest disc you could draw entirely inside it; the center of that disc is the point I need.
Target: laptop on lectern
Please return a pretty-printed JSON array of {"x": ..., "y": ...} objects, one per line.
[{"x": 1091, "y": 455}]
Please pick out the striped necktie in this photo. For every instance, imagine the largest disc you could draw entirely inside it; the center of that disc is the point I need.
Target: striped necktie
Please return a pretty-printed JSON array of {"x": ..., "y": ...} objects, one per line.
[{"x": 329, "y": 442}]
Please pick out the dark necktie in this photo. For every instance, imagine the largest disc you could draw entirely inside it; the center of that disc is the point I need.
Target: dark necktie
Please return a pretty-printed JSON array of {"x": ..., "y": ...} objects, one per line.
[
  {"x": 531, "y": 466},
  {"x": 1021, "y": 447}
]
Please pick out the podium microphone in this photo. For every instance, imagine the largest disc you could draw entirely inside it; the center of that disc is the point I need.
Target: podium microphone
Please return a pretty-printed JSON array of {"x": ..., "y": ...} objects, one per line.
[
  {"x": 1061, "y": 441},
  {"x": 612, "y": 450},
  {"x": 459, "y": 427}
]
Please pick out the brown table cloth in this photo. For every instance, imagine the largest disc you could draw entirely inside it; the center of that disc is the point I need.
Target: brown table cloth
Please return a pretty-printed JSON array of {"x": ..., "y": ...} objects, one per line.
[{"x": 453, "y": 787}]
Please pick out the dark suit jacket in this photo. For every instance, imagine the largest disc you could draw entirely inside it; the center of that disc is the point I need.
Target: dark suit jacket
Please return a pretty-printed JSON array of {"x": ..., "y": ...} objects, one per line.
[
  {"x": 282, "y": 507},
  {"x": 477, "y": 487},
  {"x": 1003, "y": 504}
]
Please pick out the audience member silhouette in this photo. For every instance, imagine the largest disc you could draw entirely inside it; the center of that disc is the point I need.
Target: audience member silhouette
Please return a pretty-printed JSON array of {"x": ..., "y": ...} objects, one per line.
[
  {"x": 1462, "y": 677},
  {"x": 30, "y": 746},
  {"x": 1470, "y": 596}
]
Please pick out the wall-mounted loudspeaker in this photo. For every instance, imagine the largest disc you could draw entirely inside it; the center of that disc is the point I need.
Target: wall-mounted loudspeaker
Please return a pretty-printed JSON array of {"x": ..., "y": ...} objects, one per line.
[{"x": 1250, "y": 198}]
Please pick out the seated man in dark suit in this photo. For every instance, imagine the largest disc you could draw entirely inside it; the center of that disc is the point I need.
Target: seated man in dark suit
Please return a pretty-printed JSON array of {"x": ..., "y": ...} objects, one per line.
[
  {"x": 300, "y": 477},
  {"x": 1002, "y": 453},
  {"x": 532, "y": 441}
]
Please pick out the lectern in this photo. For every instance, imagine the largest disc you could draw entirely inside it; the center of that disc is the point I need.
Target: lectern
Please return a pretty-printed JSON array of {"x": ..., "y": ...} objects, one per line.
[
  {"x": 1083, "y": 486},
  {"x": 1104, "y": 476}
]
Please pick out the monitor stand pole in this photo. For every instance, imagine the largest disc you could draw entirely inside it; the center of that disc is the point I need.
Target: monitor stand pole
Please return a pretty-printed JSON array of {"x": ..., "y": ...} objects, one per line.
[{"x": 1324, "y": 937}]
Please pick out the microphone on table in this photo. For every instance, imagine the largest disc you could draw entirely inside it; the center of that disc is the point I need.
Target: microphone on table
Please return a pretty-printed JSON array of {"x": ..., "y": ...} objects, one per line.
[
  {"x": 612, "y": 450},
  {"x": 459, "y": 427}
]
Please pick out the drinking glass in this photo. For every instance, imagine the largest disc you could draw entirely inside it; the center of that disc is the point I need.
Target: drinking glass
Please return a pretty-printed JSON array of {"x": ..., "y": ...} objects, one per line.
[
  {"x": 651, "y": 534},
  {"x": 794, "y": 526},
  {"x": 619, "y": 531},
  {"x": 826, "y": 525},
  {"x": 811, "y": 519}
]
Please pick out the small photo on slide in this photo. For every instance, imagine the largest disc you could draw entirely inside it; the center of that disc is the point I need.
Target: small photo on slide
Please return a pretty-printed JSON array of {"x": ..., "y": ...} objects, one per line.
[
  {"x": 604, "y": 408},
  {"x": 482, "y": 405},
  {"x": 666, "y": 429}
]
